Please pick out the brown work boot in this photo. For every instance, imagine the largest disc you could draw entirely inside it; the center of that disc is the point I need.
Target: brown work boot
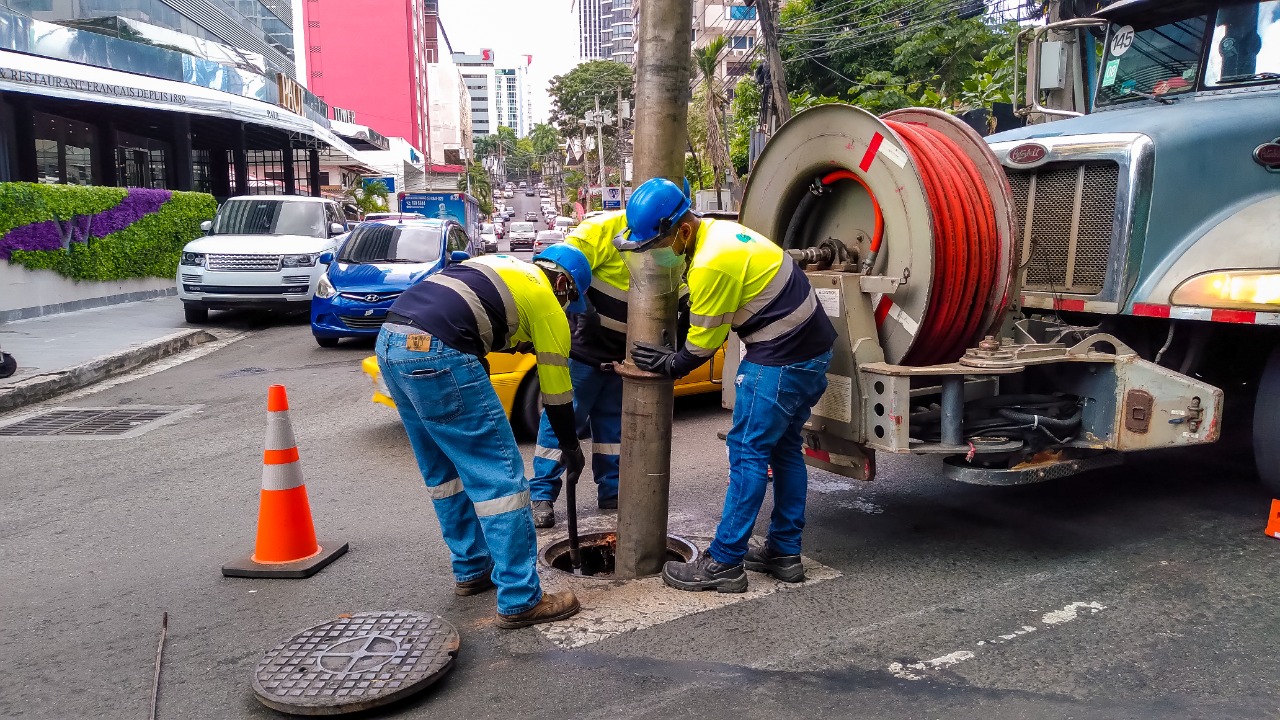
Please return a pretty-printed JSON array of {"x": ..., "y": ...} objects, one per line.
[
  {"x": 473, "y": 587},
  {"x": 554, "y": 606}
]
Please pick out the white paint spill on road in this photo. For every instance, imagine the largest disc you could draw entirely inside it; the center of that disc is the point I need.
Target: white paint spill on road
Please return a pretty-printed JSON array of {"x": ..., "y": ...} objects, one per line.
[
  {"x": 833, "y": 487},
  {"x": 1069, "y": 613},
  {"x": 914, "y": 671},
  {"x": 862, "y": 506},
  {"x": 828, "y": 487}
]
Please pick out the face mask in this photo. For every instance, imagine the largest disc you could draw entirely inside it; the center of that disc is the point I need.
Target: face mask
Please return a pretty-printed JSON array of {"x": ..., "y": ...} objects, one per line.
[{"x": 666, "y": 257}]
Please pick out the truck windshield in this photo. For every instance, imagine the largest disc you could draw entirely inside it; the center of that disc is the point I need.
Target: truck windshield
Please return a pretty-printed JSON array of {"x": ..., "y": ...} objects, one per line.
[
  {"x": 379, "y": 243},
  {"x": 1151, "y": 62},
  {"x": 1245, "y": 47},
  {"x": 270, "y": 217}
]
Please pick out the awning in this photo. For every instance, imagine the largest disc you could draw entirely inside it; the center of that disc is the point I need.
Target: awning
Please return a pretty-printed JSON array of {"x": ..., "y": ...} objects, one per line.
[
  {"x": 71, "y": 81},
  {"x": 361, "y": 137}
]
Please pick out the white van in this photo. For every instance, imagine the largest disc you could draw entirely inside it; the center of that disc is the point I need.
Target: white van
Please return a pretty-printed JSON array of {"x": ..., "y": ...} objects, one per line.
[
  {"x": 564, "y": 224},
  {"x": 521, "y": 234}
]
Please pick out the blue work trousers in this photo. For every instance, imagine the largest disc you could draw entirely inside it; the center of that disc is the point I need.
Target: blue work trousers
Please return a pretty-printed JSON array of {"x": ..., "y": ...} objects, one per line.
[
  {"x": 771, "y": 407},
  {"x": 597, "y": 409},
  {"x": 469, "y": 462}
]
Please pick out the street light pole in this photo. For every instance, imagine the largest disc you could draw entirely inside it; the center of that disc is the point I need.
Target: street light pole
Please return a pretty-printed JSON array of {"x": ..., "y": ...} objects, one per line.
[
  {"x": 661, "y": 101},
  {"x": 599, "y": 120}
]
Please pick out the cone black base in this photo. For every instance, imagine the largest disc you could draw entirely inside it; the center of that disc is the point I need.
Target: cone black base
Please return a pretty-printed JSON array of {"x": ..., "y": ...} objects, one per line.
[{"x": 247, "y": 568}]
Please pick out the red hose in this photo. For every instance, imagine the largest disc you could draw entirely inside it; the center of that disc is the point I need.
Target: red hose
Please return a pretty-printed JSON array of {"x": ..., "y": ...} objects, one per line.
[
  {"x": 877, "y": 235},
  {"x": 966, "y": 245}
]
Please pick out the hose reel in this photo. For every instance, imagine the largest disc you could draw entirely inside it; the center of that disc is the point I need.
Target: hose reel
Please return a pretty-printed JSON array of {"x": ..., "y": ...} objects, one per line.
[{"x": 915, "y": 194}]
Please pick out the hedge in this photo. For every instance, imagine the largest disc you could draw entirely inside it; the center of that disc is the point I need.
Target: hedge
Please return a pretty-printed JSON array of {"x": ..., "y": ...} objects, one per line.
[{"x": 99, "y": 233}]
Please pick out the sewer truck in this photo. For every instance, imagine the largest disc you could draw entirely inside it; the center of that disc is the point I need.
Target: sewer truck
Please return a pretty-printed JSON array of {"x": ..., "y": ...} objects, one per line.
[{"x": 1047, "y": 300}]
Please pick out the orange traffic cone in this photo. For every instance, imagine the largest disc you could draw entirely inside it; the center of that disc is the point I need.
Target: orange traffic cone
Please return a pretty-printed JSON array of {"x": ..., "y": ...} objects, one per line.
[
  {"x": 286, "y": 546},
  {"x": 1273, "y": 523}
]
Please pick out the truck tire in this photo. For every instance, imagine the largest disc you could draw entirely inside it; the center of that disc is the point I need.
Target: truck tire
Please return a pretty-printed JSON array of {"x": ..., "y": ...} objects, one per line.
[
  {"x": 196, "y": 313},
  {"x": 1266, "y": 425},
  {"x": 526, "y": 413}
]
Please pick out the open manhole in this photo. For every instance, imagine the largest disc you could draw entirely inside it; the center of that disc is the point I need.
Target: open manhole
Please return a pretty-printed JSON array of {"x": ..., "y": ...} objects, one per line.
[
  {"x": 356, "y": 662},
  {"x": 597, "y": 550},
  {"x": 94, "y": 422}
]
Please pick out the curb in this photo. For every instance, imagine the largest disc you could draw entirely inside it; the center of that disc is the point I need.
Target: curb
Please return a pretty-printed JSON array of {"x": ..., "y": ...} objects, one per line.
[{"x": 43, "y": 387}]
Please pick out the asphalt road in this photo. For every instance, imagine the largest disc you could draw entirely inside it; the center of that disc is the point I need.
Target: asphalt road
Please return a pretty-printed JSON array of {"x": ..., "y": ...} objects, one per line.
[
  {"x": 523, "y": 205},
  {"x": 1144, "y": 592}
]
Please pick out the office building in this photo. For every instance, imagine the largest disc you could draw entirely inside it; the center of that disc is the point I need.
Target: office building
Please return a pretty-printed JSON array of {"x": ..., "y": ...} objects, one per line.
[
  {"x": 499, "y": 96},
  {"x": 589, "y": 30},
  {"x": 617, "y": 31},
  {"x": 735, "y": 21}
]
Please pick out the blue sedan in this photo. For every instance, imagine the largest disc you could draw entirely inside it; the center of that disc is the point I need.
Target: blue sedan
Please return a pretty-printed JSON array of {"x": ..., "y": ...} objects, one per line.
[{"x": 377, "y": 262}]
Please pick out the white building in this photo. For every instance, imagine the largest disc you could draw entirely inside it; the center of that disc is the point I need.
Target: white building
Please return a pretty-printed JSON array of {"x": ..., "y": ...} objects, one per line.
[
  {"x": 617, "y": 31},
  {"x": 735, "y": 21},
  {"x": 589, "y": 30},
  {"x": 499, "y": 96},
  {"x": 450, "y": 114}
]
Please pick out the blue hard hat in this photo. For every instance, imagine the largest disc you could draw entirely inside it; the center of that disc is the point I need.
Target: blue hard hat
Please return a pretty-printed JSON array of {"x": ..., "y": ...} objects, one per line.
[
  {"x": 571, "y": 261},
  {"x": 655, "y": 207}
]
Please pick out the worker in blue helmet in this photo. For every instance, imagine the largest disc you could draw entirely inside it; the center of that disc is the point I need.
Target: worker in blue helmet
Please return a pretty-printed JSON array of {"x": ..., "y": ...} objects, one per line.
[{"x": 740, "y": 279}]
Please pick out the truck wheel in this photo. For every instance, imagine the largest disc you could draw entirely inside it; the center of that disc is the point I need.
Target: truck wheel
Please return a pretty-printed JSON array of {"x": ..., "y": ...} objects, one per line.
[
  {"x": 196, "y": 313},
  {"x": 326, "y": 342},
  {"x": 1266, "y": 425},
  {"x": 527, "y": 411}
]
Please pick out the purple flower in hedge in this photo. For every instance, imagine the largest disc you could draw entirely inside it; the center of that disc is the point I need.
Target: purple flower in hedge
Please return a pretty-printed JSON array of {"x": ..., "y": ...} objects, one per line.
[
  {"x": 50, "y": 234},
  {"x": 36, "y": 236},
  {"x": 138, "y": 203}
]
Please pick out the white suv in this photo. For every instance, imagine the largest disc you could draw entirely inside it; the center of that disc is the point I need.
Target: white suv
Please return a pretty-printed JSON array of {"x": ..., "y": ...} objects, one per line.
[{"x": 259, "y": 251}]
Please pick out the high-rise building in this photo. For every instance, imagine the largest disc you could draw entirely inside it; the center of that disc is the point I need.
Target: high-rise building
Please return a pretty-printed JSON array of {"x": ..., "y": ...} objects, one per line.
[
  {"x": 617, "y": 33},
  {"x": 384, "y": 85},
  {"x": 589, "y": 30},
  {"x": 264, "y": 27},
  {"x": 499, "y": 96},
  {"x": 737, "y": 23}
]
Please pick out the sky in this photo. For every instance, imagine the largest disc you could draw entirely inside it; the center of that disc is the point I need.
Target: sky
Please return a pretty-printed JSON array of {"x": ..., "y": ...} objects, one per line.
[{"x": 545, "y": 29}]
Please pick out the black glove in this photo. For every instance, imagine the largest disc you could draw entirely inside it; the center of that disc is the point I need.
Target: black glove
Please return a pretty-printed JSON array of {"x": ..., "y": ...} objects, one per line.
[
  {"x": 573, "y": 460},
  {"x": 654, "y": 358}
]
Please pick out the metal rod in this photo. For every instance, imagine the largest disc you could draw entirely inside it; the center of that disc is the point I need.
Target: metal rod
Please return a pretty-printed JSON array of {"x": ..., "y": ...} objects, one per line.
[
  {"x": 155, "y": 681},
  {"x": 604, "y": 179},
  {"x": 953, "y": 410},
  {"x": 661, "y": 108},
  {"x": 571, "y": 506}
]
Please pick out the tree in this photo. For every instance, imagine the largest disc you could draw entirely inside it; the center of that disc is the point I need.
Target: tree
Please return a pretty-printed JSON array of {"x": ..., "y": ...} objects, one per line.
[
  {"x": 746, "y": 119},
  {"x": 545, "y": 139},
  {"x": 367, "y": 196},
  {"x": 574, "y": 93},
  {"x": 706, "y": 60},
  {"x": 481, "y": 187}
]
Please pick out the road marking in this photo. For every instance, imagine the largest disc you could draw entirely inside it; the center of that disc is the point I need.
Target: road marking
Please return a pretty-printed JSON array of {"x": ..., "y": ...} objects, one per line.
[{"x": 917, "y": 670}]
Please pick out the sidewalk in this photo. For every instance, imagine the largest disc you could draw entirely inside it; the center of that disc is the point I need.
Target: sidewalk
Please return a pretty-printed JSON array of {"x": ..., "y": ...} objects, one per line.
[{"x": 63, "y": 352}]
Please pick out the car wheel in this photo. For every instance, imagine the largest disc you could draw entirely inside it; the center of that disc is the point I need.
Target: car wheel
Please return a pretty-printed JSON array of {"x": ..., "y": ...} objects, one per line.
[
  {"x": 8, "y": 366},
  {"x": 1266, "y": 426},
  {"x": 326, "y": 342},
  {"x": 195, "y": 313},
  {"x": 527, "y": 411}
]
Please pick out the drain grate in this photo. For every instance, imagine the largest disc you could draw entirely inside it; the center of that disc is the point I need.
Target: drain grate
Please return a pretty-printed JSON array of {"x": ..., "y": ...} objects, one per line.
[{"x": 97, "y": 422}]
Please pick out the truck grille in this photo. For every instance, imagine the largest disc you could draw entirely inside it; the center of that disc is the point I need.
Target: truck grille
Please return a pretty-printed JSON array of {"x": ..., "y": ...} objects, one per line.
[
  {"x": 1071, "y": 212},
  {"x": 245, "y": 263}
]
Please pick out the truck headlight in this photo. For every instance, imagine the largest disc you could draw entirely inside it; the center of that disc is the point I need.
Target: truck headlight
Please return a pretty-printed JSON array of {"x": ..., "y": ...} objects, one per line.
[
  {"x": 324, "y": 288},
  {"x": 297, "y": 261},
  {"x": 1233, "y": 289},
  {"x": 192, "y": 259}
]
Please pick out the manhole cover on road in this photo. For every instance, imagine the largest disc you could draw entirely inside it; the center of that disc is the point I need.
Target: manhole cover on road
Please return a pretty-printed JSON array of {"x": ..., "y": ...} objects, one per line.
[
  {"x": 355, "y": 663},
  {"x": 112, "y": 422}
]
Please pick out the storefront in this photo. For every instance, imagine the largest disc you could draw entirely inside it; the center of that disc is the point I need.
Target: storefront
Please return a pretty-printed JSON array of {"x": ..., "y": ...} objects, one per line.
[{"x": 63, "y": 122}]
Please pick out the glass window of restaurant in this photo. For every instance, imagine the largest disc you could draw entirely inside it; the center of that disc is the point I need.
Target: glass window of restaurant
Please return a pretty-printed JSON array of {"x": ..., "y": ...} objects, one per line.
[
  {"x": 65, "y": 150},
  {"x": 142, "y": 161}
]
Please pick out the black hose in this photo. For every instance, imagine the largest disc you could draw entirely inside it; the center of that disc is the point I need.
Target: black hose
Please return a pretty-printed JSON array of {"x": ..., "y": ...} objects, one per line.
[
  {"x": 799, "y": 219},
  {"x": 1067, "y": 424}
]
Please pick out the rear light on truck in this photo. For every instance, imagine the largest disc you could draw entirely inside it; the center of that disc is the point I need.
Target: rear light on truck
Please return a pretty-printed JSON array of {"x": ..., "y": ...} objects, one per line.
[{"x": 1233, "y": 289}]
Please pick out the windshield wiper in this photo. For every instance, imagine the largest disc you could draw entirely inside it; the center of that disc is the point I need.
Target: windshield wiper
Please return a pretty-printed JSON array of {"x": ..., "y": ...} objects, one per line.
[
  {"x": 1158, "y": 98},
  {"x": 1249, "y": 77}
]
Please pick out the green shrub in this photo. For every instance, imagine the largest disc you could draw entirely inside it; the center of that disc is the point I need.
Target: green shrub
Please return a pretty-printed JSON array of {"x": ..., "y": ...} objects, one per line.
[{"x": 26, "y": 203}]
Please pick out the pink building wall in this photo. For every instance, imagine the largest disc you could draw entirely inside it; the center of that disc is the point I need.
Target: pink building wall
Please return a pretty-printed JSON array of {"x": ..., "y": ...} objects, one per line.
[{"x": 369, "y": 56}]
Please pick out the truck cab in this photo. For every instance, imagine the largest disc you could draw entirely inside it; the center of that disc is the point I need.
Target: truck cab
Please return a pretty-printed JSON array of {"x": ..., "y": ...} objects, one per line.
[{"x": 1156, "y": 216}]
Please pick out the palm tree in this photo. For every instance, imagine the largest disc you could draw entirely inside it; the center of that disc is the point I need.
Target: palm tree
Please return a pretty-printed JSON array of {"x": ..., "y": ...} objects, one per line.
[{"x": 707, "y": 60}]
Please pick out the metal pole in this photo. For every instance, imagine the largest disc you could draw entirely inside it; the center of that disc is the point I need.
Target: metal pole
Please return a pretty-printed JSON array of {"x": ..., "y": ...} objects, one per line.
[
  {"x": 622, "y": 163},
  {"x": 604, "y": 179},
  {"x": 661, "y": 102},
  {"x": 953, "y": 410}
]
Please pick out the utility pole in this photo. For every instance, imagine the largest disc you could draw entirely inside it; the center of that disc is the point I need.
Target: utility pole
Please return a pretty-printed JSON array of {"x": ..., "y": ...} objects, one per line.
[
  {"x": 622, "y": 163},
  {"x": 661, "y": 101},
  {"x": 1071, "y": 95},
  {"x": 777, "y": 74},
  {"x": 604, "y": 180},
  {"x": 586, "y": 168}
]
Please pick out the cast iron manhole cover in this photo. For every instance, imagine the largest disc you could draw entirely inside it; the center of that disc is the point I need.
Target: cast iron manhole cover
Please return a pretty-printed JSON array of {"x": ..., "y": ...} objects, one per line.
[
  {"x": 112, "y": 422},
  {"x": 355, "y": 663}
]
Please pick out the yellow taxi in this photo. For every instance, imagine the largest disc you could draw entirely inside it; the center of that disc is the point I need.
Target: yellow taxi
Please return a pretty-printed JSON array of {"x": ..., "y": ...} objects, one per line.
[{"x": 517, "y": 385}]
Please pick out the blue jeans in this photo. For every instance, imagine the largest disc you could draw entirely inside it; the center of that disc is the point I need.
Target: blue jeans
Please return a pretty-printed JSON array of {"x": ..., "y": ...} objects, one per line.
[
  {"x": 772, "y": 406},
  {"x": 597, "y": 407},
  {"x": 470, "y": 464}
]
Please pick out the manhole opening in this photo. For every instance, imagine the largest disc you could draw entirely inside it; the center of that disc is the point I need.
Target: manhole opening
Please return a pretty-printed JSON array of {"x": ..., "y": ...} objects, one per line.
[
  {"x": 113, "y": 422},
  {"x": 597, "y": 550}
]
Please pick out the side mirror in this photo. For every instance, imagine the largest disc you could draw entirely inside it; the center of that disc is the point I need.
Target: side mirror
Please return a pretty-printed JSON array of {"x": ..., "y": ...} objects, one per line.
[
  {"x": 326, "y": 258},
  {"x": 336, "y": 229},
  {"x": 458, "y": 256},
  {"x": 206, "y": 226}
]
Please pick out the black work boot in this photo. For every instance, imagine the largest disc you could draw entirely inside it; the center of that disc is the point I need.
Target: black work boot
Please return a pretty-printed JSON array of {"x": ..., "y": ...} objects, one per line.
[
  {"x": 544, "y": 514},
  {"x": 786, "y": 568},
  {"x": 705, "y": 574}
]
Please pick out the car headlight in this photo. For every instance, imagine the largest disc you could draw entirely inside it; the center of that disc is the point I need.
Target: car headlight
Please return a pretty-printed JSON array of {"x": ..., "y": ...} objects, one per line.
[
  {"x": 192, "y": 259},
  {"x": 296, "y": 261},
  {"x": 1232, "y": 289},
  {"x": 324, "y": 288}
]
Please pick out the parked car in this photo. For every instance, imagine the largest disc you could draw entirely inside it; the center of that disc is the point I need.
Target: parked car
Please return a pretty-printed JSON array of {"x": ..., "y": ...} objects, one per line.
[
  {"x": 547, "y": 237},
  {"x": 522, "y": 235},
  {"x": 516, "y": 384},
  {"x": 564, "y": 224},
  {"x": 259, "y": 251},
  {"x": 531, "y": 217},
  {"x": 378, "y": 261},
  {"x": 508, "y": 194},
  {"x": 489, "y": 241}
]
